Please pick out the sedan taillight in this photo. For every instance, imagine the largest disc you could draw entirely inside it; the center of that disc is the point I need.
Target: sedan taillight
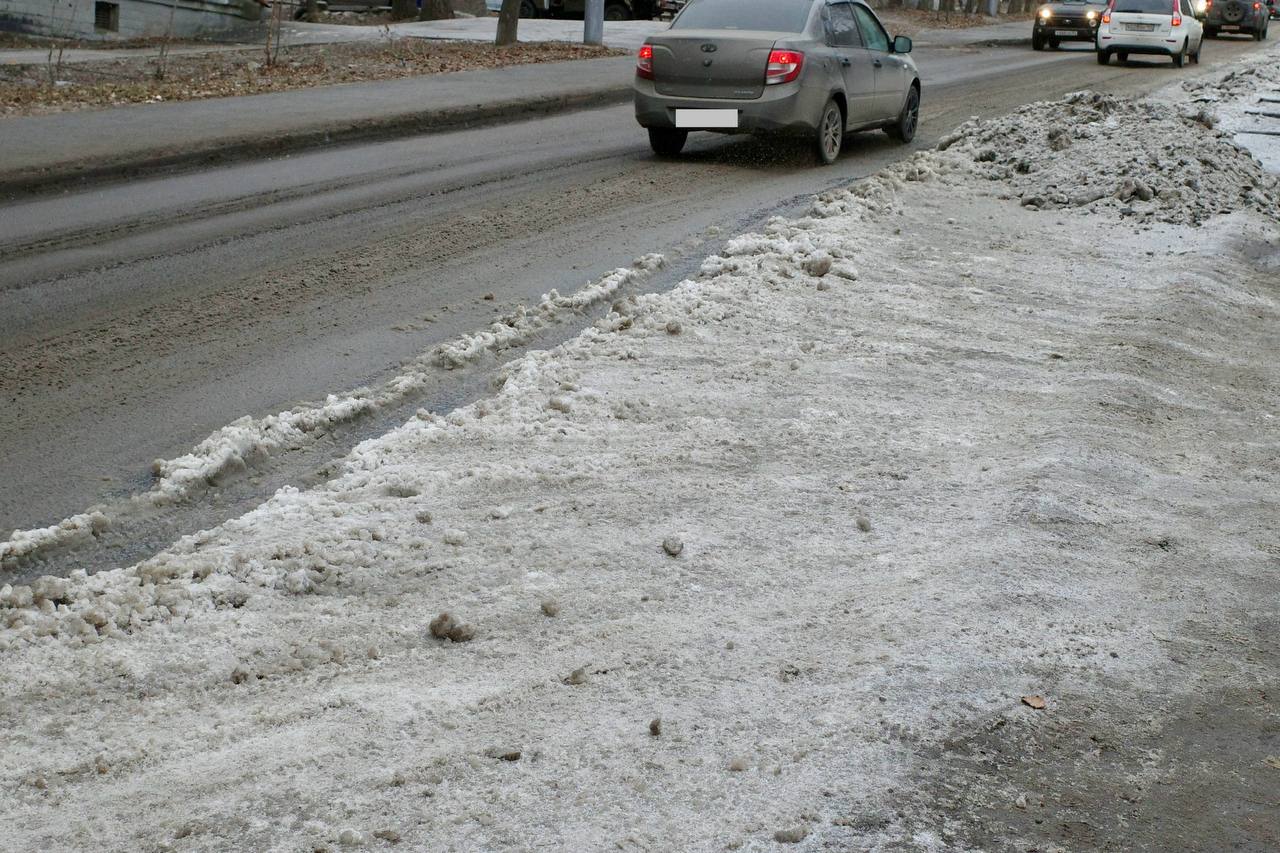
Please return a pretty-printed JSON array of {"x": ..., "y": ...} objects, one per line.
[
  {"x": 784, "y": 66},
  {"x": 644, "y": 62}
]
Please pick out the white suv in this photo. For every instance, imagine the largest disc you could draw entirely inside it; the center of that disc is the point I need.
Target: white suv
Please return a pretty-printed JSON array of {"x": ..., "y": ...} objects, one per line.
[{"x": 1161, "y": 27}]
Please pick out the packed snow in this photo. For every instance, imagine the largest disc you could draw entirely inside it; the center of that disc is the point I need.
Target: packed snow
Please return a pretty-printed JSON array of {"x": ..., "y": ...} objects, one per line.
[{"x": 743, "y": 563}]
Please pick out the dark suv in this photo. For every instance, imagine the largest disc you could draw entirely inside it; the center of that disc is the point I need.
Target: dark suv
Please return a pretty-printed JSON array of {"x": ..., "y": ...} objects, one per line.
[{"x": 1237, "y": 16}]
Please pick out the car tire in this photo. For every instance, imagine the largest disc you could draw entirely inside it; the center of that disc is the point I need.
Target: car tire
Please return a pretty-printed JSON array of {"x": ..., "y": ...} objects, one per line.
[
  {"x": 1195, "y": 57},
  {"x": 1122, "y": 57},
  {"x": 1037, "y": 41},
  {"x": 617, "y": 11},
  {"x": 829, "y": 137},
  {"x": 904, "y": 129},
  {"x": 1053, "y": 44},
  {"x": 527, "y": 9},
  {"x": 667, "y": 141},
  {"x": 1104, "y": 56},
  {"x": 1180, "y": 57}
]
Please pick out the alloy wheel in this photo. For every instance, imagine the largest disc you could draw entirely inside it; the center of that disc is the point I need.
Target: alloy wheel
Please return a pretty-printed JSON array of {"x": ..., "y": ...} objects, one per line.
[{"x": 832, "y": 133}]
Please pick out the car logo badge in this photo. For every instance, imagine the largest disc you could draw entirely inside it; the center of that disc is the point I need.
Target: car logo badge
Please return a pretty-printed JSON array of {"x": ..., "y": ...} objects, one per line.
[
  {"x": 706, "y": 63},
  {"x": 708, "y": 48}
]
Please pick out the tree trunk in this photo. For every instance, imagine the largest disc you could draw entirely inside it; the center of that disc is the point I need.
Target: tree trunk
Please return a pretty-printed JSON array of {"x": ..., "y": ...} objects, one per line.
[
  {"x": 404, "y": 10},
  {"x": 436, "y": 10},
  {"x": 313, "y": 11},
  {"x": 508, "y": 20}
]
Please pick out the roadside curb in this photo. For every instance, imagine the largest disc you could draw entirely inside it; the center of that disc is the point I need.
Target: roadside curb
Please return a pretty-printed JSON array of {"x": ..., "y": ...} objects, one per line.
[
  {"x": 1010, "y": 41},
  {"x": 222, "y": 151}
]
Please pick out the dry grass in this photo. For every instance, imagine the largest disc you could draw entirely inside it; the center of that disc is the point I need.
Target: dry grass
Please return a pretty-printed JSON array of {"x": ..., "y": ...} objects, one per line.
[
  {"x": 908, "y": 22},
  {"x": 27, "y": 90}
]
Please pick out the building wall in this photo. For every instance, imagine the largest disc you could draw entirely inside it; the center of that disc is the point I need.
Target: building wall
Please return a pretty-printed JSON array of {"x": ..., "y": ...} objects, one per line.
[{"x": 130, "y": 18}]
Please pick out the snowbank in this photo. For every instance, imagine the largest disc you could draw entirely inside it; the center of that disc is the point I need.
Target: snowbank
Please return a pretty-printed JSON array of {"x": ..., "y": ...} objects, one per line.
[
  {"x": 926, "y": 451},
  {"x": 1084, "y": 151},
  {"x": 248, "y": 440}
]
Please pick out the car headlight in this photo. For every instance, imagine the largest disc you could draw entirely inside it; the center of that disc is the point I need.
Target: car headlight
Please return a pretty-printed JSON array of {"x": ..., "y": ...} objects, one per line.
[
  {"x": 1091, "y": 15},
  {"x": 1045, "y": 14}
]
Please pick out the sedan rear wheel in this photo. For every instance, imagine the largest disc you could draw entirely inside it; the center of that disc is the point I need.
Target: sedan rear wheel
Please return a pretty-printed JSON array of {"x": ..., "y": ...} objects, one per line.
[
  {"x": 667, "y": 141},
  {"x": 617, "y": 11},
  {"x": 830, "y": 136},
  {"x": 1104, "y": 56},
  {"x": 1180, "y": 56}
]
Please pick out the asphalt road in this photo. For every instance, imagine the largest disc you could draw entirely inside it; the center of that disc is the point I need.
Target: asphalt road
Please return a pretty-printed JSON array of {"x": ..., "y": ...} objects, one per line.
[{"x": 135, "y": 319}]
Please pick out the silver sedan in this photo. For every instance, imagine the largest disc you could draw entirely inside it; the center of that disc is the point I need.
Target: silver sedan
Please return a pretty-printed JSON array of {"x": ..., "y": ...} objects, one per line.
[{"x": 815, "y": 68}]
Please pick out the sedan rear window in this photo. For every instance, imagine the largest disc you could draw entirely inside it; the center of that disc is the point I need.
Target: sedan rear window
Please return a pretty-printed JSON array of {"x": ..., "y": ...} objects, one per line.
[
  {"x": 1148, "y": 7},
  {"x": 779, "y": 16}
]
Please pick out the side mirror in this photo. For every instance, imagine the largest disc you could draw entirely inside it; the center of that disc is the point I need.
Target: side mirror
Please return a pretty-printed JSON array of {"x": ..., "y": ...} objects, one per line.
[{"x": 901, "y": 44}]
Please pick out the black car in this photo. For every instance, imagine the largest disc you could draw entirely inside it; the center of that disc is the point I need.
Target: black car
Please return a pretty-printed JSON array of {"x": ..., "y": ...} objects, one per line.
[
  {"x": 1245, "y": 17},
  {"x": 1066, "y": 20}
]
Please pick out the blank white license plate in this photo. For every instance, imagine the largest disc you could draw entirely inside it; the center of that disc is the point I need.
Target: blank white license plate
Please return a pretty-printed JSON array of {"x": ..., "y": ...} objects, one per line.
[
  {"x": 706, "y": 118},
  {"x": 1140, "y": 28},
  {"x": 1064, "y": 32}
]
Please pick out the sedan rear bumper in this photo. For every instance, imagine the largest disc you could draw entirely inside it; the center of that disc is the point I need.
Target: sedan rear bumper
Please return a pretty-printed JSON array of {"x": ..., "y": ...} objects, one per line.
[
  {"x": 1121, "y": 41},
  {"x": 1049, "y": 32},
  {"x": 781, "y": 109}
]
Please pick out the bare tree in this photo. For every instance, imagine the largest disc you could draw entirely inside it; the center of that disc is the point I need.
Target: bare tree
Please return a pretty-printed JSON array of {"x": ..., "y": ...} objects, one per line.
[
  {"x": 274, "y": 23},
  {"x": 162, "y": 60},
  {"x": 53, "y": 62},
  {"x": 508, "y": 20},
  {"x": 435, "y": 10}
]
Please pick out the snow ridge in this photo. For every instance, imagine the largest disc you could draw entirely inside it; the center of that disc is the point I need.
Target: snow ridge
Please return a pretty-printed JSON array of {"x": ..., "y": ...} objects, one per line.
[{"x": 248, "y": 440}]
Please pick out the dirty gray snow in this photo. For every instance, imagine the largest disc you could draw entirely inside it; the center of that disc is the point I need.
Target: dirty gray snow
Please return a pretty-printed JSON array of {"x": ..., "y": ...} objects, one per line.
[
  {"x": 986, "y": 459},
  {"x": 1084, "y": 151},
  {"x": 245, "y": 442}
]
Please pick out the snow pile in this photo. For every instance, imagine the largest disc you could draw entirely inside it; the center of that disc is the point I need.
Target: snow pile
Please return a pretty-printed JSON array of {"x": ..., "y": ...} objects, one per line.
[
  {"x": 239, "y": 444},
  {"x": 1245, "y": 102},
  {"x": 68, "y": 533},
  {"x": 524, "y": 325},
  {"x": 248, "y": 440},
  {"x": 1148, "y": 160}
]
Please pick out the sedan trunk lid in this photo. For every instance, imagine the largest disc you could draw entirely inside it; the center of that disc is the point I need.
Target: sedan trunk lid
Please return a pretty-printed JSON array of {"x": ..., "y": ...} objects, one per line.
[
  {"x": 1157, "y": 24},
  {"x": 711, "y": 63}
]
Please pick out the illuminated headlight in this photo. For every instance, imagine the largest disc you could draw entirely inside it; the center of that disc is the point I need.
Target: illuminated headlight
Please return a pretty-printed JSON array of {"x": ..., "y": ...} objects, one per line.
[
  {"x": 1091, "y": 15},
  {"x": 1201, "y": 6},
  {"x": 1045, "y": 14}
]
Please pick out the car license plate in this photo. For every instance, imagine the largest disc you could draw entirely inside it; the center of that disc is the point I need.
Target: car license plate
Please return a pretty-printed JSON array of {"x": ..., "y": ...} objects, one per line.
[
  {"x": 1140, "y": 28},
  {"x": 1231, "y": 28},
  {"x": 1064, "y": 32},
  {"x": 706, "y": 118}
]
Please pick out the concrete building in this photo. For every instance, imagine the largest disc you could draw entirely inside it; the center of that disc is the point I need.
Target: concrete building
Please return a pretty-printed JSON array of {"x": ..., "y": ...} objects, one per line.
[{"x": 129, "y": 19}]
